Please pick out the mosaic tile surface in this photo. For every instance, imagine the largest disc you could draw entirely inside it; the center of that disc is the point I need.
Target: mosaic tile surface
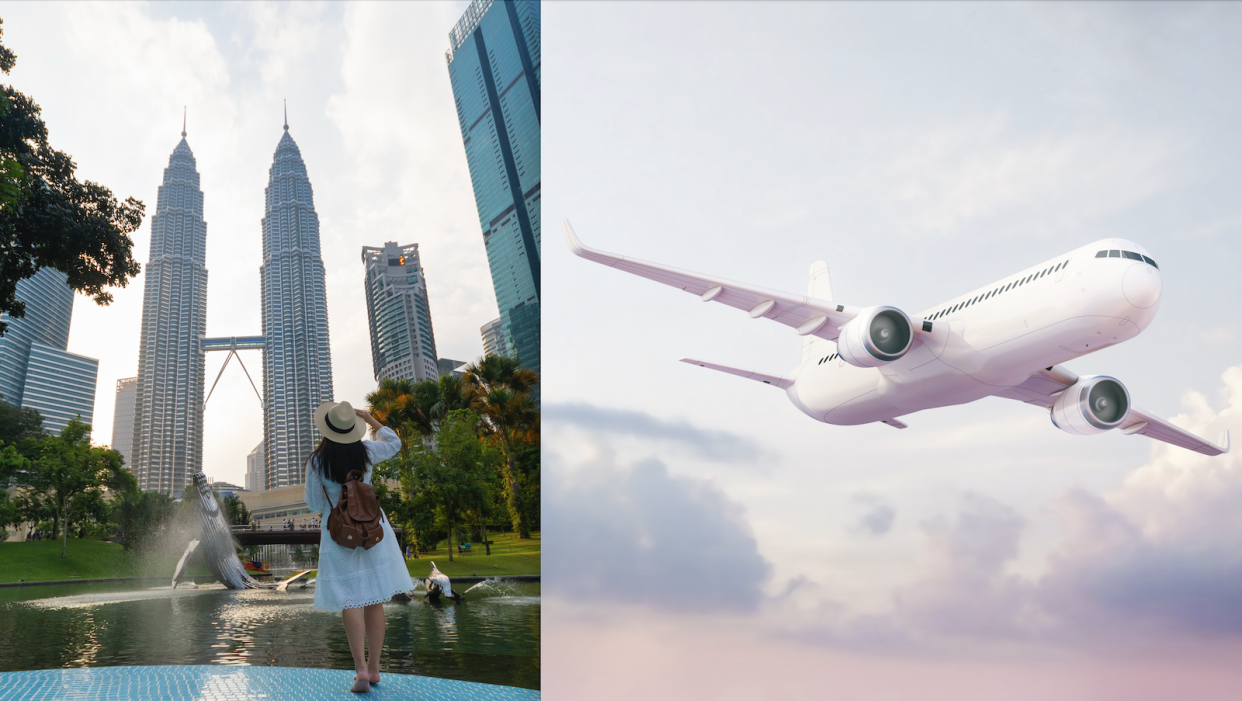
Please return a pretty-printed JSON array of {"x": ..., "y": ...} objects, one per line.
[{"x": 225, "y": 683}]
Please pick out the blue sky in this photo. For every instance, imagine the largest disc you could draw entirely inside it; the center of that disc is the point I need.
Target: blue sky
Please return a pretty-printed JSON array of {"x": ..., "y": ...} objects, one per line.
[{"x": 923, "y": 150}]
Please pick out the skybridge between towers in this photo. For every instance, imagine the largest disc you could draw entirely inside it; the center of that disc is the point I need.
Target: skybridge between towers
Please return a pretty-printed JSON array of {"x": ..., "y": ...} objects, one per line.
[{"x": 232, "y": 344}]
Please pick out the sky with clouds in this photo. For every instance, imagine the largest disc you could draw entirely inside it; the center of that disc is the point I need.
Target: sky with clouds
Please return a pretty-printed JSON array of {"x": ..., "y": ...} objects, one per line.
[
  {"x": 705, "y": 538},
  {"x": 371, "y": 108}
]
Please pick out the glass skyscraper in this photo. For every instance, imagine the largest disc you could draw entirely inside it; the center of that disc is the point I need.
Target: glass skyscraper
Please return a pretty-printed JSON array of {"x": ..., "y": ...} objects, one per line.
[
  {"x": 402, "y": 342},
  {"x": 167, "y": 446},
  {"x": 49, "y": 309},
  {"x": 494, "y": 67},
  {"x": 297, "y": 363},
  {"x": 36, "y": 372},
  {"x": 123, "y": 419},
  {"x": 61, "y": 386}
]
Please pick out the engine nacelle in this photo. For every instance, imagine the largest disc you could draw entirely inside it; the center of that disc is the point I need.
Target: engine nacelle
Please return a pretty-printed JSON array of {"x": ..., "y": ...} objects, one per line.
[
  {"x": 1093, "y": 404},
  {"x": 878, "y": 335}
]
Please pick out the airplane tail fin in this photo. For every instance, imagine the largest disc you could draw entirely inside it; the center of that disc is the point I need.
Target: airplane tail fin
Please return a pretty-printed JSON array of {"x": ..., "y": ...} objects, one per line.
[{"x": 818, "y": 285}]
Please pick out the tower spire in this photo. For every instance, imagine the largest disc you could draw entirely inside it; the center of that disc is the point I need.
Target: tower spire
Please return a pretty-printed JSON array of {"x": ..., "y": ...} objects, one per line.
[
  {"x": 286, "y": 115},
  {"x": 183, "y": 113}
]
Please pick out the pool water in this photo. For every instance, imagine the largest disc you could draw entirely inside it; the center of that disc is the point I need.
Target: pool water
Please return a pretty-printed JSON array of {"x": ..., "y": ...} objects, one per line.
[{"x": 492, "y": 638}]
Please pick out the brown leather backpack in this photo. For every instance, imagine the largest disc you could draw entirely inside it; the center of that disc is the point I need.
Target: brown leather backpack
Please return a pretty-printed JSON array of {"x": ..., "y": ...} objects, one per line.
[{"x": 357, "y": 518}]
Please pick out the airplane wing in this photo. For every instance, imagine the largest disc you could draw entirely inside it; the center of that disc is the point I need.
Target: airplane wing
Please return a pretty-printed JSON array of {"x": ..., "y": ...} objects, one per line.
[
  {"x": 809, "y": 316},
  {"x": 774, "y": 380},
  {"x": 1040, "y": 387}
]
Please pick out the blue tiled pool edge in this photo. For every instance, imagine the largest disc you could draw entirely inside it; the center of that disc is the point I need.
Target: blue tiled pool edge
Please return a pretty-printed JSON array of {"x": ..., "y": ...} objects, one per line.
[{"x": 236, "y": 683}]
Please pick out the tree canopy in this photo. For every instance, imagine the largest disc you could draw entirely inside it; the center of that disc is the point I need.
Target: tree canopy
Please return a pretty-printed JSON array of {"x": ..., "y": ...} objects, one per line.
[
  {"x": 487, "y": 417},
  {"x": 68, "y": 475},
  {"x": 48, "y": 219},
  {"x": 17, "y": 423}
]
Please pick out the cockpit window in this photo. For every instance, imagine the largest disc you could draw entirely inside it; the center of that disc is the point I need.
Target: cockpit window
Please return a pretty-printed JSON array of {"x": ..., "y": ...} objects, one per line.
[
  {"x": 1102, "y": 254},
  {"x": 1114, "y": 254},
  {"x": 1131, "y": 255},
  {"x": 1152, "y": 262}
]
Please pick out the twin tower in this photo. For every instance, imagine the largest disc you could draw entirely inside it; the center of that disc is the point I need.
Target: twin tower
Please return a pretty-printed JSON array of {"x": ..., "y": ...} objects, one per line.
[{"x": 297, "y": 364}]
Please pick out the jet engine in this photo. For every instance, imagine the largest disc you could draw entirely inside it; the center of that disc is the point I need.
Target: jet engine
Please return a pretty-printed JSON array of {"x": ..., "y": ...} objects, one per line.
[
  {"x": 1093, "y": 404},
  {"x": 878, "y": 335}
]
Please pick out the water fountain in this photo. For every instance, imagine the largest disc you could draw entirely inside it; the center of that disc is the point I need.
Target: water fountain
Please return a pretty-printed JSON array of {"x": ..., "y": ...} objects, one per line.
[
  {"x": 219, "y": 548},
  {"x": 181, "y": 563},
  {"x": 437, "y": 583}
]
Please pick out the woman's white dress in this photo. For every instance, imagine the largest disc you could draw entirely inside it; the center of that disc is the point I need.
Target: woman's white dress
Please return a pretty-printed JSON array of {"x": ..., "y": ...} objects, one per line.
[{"x": 355, "y": 578}]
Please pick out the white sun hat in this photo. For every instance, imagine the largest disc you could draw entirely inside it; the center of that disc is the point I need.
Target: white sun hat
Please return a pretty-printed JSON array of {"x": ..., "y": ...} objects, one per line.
[{"x": 338, "y": 422}]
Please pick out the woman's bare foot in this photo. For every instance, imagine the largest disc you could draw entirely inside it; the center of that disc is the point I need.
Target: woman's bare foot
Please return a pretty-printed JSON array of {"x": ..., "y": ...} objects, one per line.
[
  {"x": 373, "y": 669},
  {"x": 361, "y": 683}
]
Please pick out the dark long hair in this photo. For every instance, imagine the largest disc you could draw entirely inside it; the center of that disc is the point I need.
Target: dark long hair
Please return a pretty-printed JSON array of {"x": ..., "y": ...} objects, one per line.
[{"x": 337, "y": 460}]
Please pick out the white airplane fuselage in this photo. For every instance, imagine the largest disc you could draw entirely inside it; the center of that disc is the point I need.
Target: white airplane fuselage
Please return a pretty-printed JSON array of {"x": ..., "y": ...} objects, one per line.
[{"x": 1061, "y": 309}]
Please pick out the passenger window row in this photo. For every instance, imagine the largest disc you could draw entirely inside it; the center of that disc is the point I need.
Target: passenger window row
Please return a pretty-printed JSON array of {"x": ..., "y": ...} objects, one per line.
[
  {"x": 824, "y": 360},
  {"x": 998, "y": 291},
  {"x": 1114, "y": 253}
]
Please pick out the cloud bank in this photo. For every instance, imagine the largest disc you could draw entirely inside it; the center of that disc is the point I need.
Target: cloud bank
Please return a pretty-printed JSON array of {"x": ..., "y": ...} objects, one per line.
[{"x": 641, "y": 535}]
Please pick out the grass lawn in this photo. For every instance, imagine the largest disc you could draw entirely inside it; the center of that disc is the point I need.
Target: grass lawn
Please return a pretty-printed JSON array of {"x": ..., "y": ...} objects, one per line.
[
  {"x": 509, "y": 556},
  {"x": 40, "y": 561}
]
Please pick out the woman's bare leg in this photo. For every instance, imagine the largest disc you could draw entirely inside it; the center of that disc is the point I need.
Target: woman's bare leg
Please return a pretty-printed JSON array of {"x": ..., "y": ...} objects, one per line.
[
  {"x": 374, "y": 615},
  {"x": 355, "y": 633}
]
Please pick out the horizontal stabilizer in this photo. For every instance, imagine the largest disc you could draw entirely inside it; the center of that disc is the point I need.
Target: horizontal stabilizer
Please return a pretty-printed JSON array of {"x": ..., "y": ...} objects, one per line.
[{"x": 774, "y": 380}]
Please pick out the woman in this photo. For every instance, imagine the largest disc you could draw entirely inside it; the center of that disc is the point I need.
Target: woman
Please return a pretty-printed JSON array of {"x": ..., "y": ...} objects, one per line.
[{"x": 355, "y": 582}]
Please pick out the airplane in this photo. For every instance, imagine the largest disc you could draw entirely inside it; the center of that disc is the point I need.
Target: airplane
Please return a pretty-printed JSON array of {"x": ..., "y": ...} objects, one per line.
[{"x": 1007, "y": 339}]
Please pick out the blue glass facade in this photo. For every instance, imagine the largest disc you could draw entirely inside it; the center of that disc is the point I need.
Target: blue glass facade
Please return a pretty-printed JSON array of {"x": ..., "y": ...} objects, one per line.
[
  {"x": 49, "y": 309},
  {"x": 494, "y": 68},
  {"x": 61, "y": 385}
]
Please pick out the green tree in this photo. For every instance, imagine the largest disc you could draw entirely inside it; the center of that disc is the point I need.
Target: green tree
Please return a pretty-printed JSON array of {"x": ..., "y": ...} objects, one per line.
[
  {"x": 68, "y": 468},
  {"x": 501, "y": 391},
  {"x": 140, "y": 515},
  {"x": 235, "y": 510},
  {"x": 18, "y": 424},
  {"x": 48, "y": 219},
  {"x": 392, "y": 404},
  {"x": 453, "y": 470},
  {"x": 11, "y": 462}
]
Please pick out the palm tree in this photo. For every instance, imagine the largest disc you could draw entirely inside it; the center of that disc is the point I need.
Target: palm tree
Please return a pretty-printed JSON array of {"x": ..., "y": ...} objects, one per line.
[
  {"x": 500, "y": 392},
  {"x": 390, "y": 404}
]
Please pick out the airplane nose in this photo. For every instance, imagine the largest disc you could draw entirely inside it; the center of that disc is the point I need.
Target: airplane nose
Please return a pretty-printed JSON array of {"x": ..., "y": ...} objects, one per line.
[{"x": 1142, "y": 285}]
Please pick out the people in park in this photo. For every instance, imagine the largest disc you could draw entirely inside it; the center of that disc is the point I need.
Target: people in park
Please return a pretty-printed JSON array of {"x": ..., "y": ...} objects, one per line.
[{"x": 357, "y": 582}]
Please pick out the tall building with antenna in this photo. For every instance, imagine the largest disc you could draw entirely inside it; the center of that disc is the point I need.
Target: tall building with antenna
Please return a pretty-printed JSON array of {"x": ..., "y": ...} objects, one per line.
[
  {"x": 297, "y": 362},
  {"x": 167, "y": 440},
  {"x": 494, "y": 67}
]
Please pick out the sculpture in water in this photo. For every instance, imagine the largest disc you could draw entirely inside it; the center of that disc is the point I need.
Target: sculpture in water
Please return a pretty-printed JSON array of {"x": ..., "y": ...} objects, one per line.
[{"x": 219, "y": 551}]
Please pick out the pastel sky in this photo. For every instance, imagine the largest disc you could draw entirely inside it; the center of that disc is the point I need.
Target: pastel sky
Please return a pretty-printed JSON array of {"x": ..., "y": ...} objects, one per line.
[
  {"x": 370, "y": 106},
  {"x": 703, "y": 538}
]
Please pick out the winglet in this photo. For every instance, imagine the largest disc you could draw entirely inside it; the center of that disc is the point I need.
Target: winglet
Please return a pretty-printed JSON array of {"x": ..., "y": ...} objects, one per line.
[
  {"x": 578, "y": 249},
  {"x": 1224, "y": 441},
  {"x": 572, "y": 239}
]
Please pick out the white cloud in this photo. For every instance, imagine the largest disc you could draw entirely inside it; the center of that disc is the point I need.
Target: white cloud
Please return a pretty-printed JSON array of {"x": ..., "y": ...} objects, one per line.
[{"x": 638, "y": 534}]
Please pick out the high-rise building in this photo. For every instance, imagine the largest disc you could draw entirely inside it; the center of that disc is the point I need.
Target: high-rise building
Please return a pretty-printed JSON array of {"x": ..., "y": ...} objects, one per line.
[
  {"x": 49, "y": 309},
  {"x": 36, "y": 372},
  {"x": 168, "y": 401},
  {"x": 448, "y": 366},
  {"x": 61, "y": 386},
  {"x": 494, "y": 342},
  {"x": 255, "y": 480},
  {"x": 402, "y": 342},
  {"x": 123, "y": 418},
  {"x": 494, "y": 67},
  {"x": 297, "y": 364}
]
